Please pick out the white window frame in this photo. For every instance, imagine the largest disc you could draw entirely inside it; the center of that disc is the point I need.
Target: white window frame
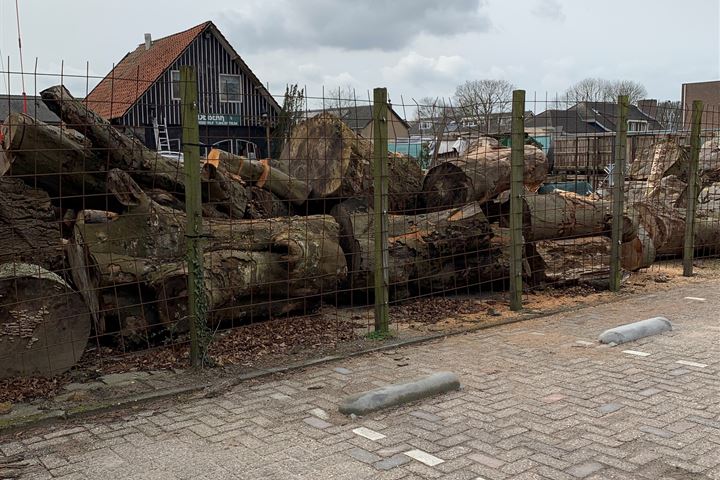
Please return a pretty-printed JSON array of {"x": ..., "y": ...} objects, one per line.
[
  {"x": 174, "y": 82},
  {"x": 426, "y": 125},
  {"x": 642, "y": 124},
  {"x": 223, "y": 95}
]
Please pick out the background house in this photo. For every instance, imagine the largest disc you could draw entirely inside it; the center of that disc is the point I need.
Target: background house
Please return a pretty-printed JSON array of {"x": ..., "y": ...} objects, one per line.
[
  {"x": 706, "y": 92},
  {"x": 360, "y": 120},
  {"x": 592, "y": 117},
  {"x": 36, "y": 108},
  {"x": 144, "y": 89}
]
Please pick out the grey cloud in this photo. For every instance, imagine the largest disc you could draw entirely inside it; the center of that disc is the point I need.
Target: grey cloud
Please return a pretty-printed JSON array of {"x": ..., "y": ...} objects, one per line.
[
  {"x": 349, "y": 25},
  {"x": 550, "y": 9}
]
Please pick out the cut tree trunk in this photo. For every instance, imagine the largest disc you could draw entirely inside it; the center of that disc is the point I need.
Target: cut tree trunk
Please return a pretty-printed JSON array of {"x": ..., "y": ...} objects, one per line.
[
  {"x": 262, "y": 175},
  {"x": 565, "y": 214},
  {"x": 480, "y": 175},
  {"x": 145, "y": 247},
  {"x": 29, "y": 226},
  {"x": 59, "y": 160},
  {"x": 435, "y": 252},
  {"x": 239, "y": 284},
  {"x": 665, "y": 225},
  {"x": 336, "y": 164},
  {"x": 44, "y": 324}
]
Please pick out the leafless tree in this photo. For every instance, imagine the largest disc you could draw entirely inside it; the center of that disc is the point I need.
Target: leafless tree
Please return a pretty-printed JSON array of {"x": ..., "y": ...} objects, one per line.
[
  {"x": 477, "y": 100},
  {"x": 670, "y": 115},
  {"x": 601, "y": 90},
  {"x": 340, "y": 98},
  {"x": 634, "y": 90},
  {"x": 427, "y": 108}
]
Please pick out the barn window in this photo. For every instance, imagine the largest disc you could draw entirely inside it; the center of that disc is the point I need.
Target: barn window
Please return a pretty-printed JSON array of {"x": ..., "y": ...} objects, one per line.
[
  {"x": 230, "y": 89},
  {"x": 175, "y": 84}
]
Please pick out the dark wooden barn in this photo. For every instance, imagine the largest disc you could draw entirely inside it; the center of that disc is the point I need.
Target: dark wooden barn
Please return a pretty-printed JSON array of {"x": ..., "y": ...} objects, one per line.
[{"x": 141, "y": 93}]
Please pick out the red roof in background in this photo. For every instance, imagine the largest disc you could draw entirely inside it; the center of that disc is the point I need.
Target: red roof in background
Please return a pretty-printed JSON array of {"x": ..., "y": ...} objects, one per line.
[{"x": 137, "y": 71}]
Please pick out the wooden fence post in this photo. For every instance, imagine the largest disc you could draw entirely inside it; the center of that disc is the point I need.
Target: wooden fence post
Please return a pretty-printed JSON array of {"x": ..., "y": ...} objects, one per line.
[
  {"x": 618, "y": 193},
  {"x": 197, "y": 299},
  {"x": 692, "y": 189},
  {"x": 517, "y": 162},
  {"x": 380, "y": 205}
]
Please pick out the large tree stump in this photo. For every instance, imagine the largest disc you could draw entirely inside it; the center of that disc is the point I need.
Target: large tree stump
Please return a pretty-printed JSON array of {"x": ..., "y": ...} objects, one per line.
[
  {"x": 29, "y": 226},
  {"x": 336, "y": 164},
  {"x": 44, "y": 324},
  {"x": 480, "y": 175}
]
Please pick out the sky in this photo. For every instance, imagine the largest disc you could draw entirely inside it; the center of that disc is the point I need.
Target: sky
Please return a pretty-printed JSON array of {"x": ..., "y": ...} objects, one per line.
[{"x": 415, "y": 48}]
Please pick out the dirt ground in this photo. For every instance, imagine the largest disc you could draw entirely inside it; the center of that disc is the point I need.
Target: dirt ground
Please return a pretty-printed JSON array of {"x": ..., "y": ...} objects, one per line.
[{"x": 339, "y": 331}]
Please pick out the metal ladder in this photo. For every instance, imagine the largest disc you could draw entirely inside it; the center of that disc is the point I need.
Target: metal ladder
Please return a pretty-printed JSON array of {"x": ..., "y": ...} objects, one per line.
[{"x": 162, "y": 141}]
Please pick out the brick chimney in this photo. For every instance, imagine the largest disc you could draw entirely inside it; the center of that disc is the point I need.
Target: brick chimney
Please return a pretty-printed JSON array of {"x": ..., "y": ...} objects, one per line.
[
  {"x": 648, "y": 106},
  {"x": 148, "y": 41}
]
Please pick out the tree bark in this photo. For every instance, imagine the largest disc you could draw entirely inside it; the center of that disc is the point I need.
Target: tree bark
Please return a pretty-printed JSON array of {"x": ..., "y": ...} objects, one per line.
[
  {"x": 29, "y": 226},
  {"x": 44, "y": 324},
  {"x": 440, "y": 251},
  {"x": 574, "y": 260},
  {"x": 265, "y": 204},
  {"x": 480, "y": 175}
]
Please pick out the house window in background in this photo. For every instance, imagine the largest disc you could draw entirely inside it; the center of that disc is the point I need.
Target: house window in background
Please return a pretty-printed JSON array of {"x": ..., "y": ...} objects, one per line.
[
  {"x": 175, "y": 84},
  {"x": 230, "y": 89},
  {"x": 637, "y": 126},
  {"x": 425, "y": 125}
]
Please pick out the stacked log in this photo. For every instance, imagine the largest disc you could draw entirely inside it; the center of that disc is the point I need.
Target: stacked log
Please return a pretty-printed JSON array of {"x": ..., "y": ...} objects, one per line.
[
  {"x": 249, "y": 262},
  {"x": 126, "y": 247},
  {"x": 479, "y": 175}
]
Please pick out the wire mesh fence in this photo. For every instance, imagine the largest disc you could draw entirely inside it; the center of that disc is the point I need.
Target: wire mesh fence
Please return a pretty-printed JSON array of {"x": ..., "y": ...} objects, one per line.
[{"x": 156, "y": 214}]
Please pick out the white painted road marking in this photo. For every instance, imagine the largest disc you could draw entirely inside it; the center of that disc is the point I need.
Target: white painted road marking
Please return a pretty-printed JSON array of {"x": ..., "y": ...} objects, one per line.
[
  {"x": 424, "y": 457},
  {"x": 636, "y": 353},
  {"x": 369, "y": 434},
  {"x": 691, "y": 364},
  {"x": 697, "y": 299}
]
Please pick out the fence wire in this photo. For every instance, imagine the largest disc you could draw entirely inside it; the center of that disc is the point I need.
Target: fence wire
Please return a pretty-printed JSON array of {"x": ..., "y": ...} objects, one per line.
[{"x": 95, "y": 261}]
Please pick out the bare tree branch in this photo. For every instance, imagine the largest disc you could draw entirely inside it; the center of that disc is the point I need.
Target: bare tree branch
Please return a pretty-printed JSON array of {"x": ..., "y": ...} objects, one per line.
[{"x": 479, "y": 99}]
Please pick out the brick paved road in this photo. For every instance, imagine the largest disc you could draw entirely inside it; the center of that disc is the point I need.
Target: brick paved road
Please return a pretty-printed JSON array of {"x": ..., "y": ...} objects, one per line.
[{"x": 538, "y": 401}]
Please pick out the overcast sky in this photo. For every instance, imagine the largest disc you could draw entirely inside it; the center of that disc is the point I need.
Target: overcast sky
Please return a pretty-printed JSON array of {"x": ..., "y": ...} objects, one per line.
[{"x": 415, "y": 48}]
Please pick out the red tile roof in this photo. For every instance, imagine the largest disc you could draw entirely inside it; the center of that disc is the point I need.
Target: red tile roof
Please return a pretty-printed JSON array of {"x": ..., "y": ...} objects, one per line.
[{"x": 137, "y": 71}]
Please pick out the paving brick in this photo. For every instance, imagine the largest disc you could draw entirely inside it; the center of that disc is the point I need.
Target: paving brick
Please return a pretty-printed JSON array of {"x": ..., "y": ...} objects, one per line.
[
  {"x": 585, "y": 469},
  {"x": 317, "y": 422},
  {"x": 363, "y": 455},
  {"x": 392, "y": 462}
]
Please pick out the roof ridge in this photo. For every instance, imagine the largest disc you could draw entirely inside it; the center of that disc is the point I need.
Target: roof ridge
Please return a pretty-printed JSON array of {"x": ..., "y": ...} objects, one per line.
[{"x": 203, "y": 24}]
